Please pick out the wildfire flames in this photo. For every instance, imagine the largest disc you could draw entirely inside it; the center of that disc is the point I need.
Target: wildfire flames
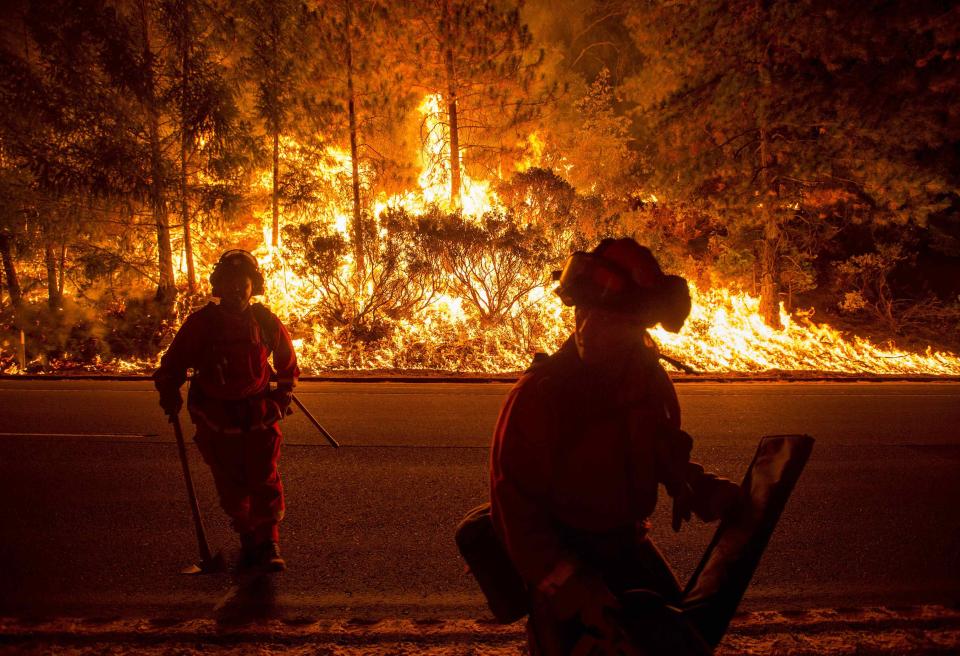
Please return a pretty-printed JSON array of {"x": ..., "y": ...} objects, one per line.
[{"x": 725, "y": 332}]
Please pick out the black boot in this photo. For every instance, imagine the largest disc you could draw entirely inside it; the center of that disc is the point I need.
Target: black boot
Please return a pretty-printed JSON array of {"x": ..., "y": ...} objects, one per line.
[
  {"x": 249, "y": 551},
  {"x": 270, "y": 558}
]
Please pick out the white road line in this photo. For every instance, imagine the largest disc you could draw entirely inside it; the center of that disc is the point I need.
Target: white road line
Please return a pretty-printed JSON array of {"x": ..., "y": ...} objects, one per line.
[{"x": 79, "y": 434}]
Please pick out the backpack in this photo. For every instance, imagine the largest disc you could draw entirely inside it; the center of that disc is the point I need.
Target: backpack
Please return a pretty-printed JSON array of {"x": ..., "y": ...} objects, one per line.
[
  {"x": 486, "y": 557},
  {"x": 232, "y": 362},
  {"x": 488, "y": 561}
]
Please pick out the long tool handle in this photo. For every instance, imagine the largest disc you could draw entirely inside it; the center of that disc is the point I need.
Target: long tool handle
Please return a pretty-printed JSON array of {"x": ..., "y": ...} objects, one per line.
[
  {"x": 313, "y": 420},
  {"x": 205, "y": 555},
  {"x": 679, "y": 365}
]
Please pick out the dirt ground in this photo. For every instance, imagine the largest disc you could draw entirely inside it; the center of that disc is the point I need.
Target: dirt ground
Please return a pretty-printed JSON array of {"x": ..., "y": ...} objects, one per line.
[{"x": 922, "y": 630}]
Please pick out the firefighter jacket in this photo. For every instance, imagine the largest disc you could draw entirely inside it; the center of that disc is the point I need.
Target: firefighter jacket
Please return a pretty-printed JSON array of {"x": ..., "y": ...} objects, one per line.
[
  {"x": 229, "y": 353},
  {"x": 574, "y": 451}
]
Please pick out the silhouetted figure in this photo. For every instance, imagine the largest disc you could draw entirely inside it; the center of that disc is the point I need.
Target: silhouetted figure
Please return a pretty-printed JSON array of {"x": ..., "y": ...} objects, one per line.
[
  {"x": 228, "y": 345},
  {"x": 583, "y": 441}
]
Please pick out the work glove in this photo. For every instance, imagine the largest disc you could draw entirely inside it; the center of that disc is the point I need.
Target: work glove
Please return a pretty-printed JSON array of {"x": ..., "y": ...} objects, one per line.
[
  {"x": 282, "y": 398},
  {"x": 171, "y": 400},
  {"x": 682, "y": 506},
  {"x": 714, "y": 497}
]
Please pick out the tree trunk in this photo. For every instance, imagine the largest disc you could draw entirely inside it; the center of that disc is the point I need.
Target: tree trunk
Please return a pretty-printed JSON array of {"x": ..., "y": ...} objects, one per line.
[
  {"x": 185, "y": 147},
  {"x": 185, "y": 217},
  {"x": 53, "y": 291},
  {"x": 769, "y": 252},
  {"x": 166, "y": 285},
  {"x": 769, "y": 275},
  {"x": 63, "y": 264},
  {"x": 275, "y": 192},
  {"x": 359, "y": 264},
  {"x": 10, "y": 272},
  {"x": 274, "y": 123},
  {"x": 452, "y": 111},
  {"x": 770, "y": 247}
]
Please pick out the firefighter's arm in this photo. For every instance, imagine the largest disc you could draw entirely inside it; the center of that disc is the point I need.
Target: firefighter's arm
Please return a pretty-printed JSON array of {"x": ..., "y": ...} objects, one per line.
[
  {"x": 672, "y": 453},
  {"x": 287, "y": 371},
  {"x": 173, "y": 366},
  {"x": 672, "y": 445},
  {"x": 694, "y": 490}
]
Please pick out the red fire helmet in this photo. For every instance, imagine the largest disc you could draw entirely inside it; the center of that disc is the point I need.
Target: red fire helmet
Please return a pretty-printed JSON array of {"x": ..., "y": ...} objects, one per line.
[{"x": 622, "y": 275}]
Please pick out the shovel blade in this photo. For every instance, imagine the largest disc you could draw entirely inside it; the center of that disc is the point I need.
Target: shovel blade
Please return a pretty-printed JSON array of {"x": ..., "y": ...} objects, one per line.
[
  {"x": 214, "y": 565},
  {"x": 721, "y": 579}
]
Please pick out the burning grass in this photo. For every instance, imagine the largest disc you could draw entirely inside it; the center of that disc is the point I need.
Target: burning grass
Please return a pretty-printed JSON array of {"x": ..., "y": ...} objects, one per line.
[
  {"x": 725, "y": 334},
  {"x": 457, "y": 289}
]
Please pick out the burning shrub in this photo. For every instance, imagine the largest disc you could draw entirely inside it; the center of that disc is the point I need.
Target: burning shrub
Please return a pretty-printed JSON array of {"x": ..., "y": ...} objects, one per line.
[
  {"x": 399, "y": 280},
  {"x": 867, "y": 281},
  {"x": 494, "y": 264},
  {"x": 139, "y": 329},
  {"x": 542, "y": 197},
  {"x": 571, "y": 221}
]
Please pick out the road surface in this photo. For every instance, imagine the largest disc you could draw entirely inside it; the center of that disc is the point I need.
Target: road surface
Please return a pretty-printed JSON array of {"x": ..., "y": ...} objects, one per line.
[{"x": 95, "y": 522}]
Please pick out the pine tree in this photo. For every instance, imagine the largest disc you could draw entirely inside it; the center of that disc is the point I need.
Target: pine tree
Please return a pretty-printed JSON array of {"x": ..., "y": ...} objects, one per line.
[
  {"x": 272, "y": 38},
  {"x": 360, "y": 89},
  {"x": 478, "y": 57},
  {"x": 71, "y": 133},
  {"x": 765, "y": 111},
  {"x": 708, "y": 95},
  {"x": 200, "y": 99},
  {"x": 591, "y": 143}
]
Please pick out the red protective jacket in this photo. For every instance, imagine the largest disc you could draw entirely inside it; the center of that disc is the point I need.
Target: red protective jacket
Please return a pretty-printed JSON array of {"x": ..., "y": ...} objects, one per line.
[
  {"x": 571, "y": 450},
  {"x": 229, "y": 353}
]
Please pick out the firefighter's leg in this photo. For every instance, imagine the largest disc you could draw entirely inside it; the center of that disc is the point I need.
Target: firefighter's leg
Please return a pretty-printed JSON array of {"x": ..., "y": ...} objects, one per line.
[
  {"x": 263, "y": 483},
  {"x": 650, "y": 620},
  {"x": 628, "y": 562},
  {"x": 547, "y": 635},
  {"x": 224, "y": 455}
]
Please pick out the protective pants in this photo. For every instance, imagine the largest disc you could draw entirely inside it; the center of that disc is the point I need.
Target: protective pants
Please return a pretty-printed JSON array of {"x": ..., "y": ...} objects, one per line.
[
  {"x": 625, "y": 560},
  {"x": 244, "y": 467}
]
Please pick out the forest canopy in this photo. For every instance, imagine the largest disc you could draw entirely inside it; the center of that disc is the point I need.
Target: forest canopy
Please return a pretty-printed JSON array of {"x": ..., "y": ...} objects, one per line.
[{"x": 410, "y": 173}]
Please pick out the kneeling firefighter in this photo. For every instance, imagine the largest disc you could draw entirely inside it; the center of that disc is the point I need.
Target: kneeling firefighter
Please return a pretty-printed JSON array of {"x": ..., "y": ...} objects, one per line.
[
  {"x": 581, "y": 444},
  {"x": 228, "y": 345}
]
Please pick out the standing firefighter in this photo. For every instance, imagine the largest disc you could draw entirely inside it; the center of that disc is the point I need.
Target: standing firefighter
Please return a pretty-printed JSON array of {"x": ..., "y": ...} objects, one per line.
[
  {"x": 581, "y": 444},
  {"x": 228, "y": 346}
]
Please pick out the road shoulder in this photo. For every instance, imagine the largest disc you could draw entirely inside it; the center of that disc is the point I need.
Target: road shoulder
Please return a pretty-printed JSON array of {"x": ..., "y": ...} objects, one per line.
[{"x": 915, "y": 630}]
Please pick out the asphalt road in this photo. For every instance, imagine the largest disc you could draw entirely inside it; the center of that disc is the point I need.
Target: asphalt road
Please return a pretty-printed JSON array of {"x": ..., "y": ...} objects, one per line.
[{"x": 95, "y": 521}]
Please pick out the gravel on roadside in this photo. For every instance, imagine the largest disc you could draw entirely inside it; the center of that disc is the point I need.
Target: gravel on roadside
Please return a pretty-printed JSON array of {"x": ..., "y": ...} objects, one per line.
[{"x": 920, "y": 630}]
